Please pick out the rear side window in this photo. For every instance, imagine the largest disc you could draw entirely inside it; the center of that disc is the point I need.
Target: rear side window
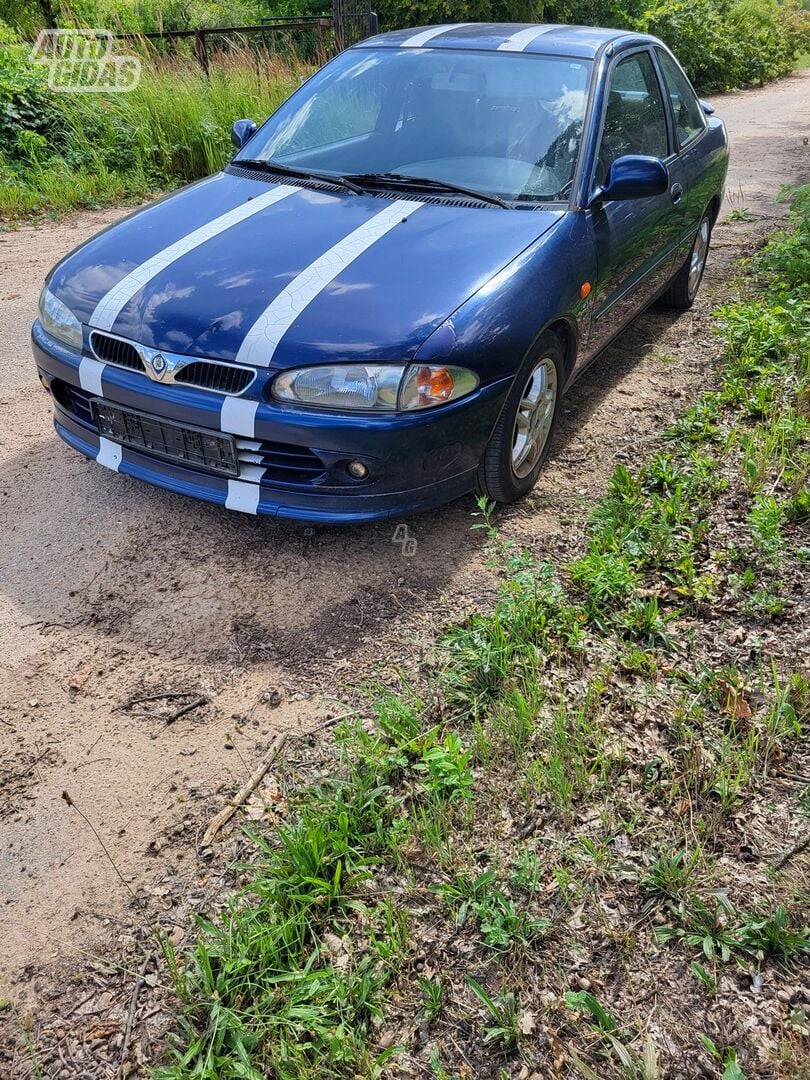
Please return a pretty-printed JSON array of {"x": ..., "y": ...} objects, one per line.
[
  {"x": 635, "y": 121},
  {"x": 689, "y": 118}
]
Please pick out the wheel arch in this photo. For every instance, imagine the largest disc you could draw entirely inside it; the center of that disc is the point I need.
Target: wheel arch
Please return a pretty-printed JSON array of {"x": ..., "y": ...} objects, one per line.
[{"x": 565, "y": 329}]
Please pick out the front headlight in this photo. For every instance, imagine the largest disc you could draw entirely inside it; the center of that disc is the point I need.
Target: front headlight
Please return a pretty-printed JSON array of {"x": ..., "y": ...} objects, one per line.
[
  {"x": 58, "y": 320},
  {"x": 376, "y": 387}
]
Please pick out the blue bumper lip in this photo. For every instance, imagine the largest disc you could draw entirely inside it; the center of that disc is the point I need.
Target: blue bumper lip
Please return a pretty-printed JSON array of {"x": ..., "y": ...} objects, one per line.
[{"x": 416, "y": 461}]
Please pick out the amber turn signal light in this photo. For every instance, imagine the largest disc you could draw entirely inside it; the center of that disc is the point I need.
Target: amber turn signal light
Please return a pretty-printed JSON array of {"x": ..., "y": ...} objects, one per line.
[
  {"x": 585, "y": 289},
  {"x": 434, "y": 384}
]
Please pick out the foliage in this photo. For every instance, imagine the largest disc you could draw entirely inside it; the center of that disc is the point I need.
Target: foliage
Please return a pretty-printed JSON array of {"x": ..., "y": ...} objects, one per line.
[
  {"x": 58, "y": 151},
  {"x": 26, "y": 107},
  {"x": 721, "y": 43},
  {"x": 133, "y": 16},
  {"x": 731, "y": 43}
]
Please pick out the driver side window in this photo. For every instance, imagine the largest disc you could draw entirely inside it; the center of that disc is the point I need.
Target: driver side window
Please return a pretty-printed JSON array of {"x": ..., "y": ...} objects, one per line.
[{"x": 635, "y": 121}]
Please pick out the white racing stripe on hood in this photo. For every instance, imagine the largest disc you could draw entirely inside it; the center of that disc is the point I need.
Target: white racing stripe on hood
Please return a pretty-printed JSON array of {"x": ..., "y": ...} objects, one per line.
[
  {"x": 422, "y": 38},
  {"x": 109, "y": 307},
  {"x": 518, "y": 42},
  {"x": 262, "y": 339}
]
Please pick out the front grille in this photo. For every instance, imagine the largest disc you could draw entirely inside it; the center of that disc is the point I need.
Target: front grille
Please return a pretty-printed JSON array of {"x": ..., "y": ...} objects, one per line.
[
  {"x": 73, "y": 400},
  {"x": 212, "y": 376},
  {"x": 282, "y": 463},
  {"x": 113, "y": 350}
]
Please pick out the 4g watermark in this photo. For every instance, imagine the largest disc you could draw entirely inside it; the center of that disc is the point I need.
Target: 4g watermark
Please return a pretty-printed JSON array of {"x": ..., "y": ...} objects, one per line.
[
  {"x": 84, "y": 61},
  {"x": 406, "y": 540}
]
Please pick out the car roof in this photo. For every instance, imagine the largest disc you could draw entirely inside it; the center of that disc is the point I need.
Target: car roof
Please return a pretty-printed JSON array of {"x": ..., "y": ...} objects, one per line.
[{"x": 549, "y": 39}]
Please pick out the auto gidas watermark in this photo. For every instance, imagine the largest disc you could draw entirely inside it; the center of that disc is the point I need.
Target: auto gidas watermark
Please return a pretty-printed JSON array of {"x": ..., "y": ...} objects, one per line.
[{"x": 85, "y": 61}]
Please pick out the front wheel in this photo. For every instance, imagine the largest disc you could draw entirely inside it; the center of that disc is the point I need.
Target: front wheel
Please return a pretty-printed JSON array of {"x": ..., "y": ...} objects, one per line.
[
  {"x": 522, "y": 437},
  {"x": 684, "y": 287}
]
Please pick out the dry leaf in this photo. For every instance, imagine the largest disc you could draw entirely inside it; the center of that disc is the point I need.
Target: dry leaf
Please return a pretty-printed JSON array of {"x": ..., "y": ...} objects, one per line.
[
  {"x": 734, "y": 703},
  {"x": 528, "y": 1022}
]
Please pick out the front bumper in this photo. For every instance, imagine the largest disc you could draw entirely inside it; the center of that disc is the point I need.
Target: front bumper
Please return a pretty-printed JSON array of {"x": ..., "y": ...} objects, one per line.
[{"x": 415, "y": 460}]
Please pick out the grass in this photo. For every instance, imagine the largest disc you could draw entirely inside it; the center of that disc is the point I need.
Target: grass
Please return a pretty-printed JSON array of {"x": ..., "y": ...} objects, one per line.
[
  {"x": 559, "y": 833},
  {"x": 172, "y": 129}
]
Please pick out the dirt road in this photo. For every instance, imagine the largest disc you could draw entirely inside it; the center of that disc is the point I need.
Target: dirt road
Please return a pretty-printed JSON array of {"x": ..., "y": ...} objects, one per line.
[{"x": 112, "y": 591}]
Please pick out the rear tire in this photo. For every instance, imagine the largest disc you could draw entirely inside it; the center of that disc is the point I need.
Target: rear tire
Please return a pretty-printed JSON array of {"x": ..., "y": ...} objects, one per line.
[
  {"x": 685, "y": 285},
  {"x": 522, "y": 437}
]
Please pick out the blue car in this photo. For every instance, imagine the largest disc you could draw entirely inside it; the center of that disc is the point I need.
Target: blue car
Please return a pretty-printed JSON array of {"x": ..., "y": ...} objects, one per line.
[{"x": 377, "y": 305}]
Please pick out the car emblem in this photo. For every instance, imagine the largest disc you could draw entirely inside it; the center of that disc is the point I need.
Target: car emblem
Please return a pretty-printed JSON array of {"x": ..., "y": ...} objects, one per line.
[{"x": 158, "y": 364}]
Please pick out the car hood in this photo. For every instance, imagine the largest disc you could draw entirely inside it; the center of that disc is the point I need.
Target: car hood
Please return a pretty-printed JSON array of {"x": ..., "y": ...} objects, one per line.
[{"x": 242, "y": 268}]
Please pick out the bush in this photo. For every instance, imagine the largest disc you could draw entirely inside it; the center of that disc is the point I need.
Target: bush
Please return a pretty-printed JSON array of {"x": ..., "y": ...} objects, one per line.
[
  {"x": 730, "y": 44},
  {"x": 25, "y": 103},
  {"x": 721, "y": 43}
]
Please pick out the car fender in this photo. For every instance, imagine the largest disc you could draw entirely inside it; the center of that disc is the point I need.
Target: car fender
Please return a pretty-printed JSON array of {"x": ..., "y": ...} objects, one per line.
[{"x": 495, "y": 330}]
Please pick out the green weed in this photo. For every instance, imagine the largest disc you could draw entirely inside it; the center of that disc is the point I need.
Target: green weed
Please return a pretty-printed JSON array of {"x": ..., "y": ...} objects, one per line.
[{"x": 504, "y": 1029}]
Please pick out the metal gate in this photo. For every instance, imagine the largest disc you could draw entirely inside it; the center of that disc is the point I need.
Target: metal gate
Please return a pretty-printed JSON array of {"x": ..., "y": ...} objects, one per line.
[{"x": 354, "y": 20}]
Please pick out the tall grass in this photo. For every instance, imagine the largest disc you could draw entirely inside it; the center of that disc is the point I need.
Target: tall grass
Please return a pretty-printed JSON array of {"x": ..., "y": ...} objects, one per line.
[{"x": 173, "y": 128}]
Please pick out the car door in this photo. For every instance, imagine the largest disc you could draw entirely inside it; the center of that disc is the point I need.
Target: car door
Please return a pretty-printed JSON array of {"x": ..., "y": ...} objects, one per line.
[
  {"x": 635, "y": 239},
  {"x": 688, "y": 166}
]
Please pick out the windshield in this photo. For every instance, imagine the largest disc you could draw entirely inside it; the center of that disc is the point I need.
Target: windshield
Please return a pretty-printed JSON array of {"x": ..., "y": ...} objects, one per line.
[{"x": 507, "y": 124}]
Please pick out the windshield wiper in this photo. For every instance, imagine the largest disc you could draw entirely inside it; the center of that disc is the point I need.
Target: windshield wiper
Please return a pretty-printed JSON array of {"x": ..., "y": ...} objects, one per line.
[
  {"x": 428, "y": 182},
  {"x": 304, "y": 174}
]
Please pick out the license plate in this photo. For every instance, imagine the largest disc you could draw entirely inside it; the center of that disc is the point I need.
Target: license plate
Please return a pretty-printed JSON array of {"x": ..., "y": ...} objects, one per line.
[{"x": 192, "y": 446}]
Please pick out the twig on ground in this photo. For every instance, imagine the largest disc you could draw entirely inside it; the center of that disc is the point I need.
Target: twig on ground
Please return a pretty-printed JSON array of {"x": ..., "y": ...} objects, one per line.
[
  {"x": 167, "y": 695},
  {"x": 786, "y": 856},
  {"x": 245, "y": 791},
  {"x": 196, "y": 704}
]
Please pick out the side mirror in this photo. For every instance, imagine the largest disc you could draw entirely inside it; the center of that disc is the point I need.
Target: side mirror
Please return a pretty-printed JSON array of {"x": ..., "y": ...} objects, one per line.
[
  {"x": 708, "y": 109},
  {"x": 634, "y": 176},
  {"x": 241, "y": 131}
]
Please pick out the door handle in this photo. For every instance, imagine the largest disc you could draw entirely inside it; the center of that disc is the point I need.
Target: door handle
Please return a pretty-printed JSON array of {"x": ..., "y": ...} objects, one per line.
[{"x": 676, "y": 193}]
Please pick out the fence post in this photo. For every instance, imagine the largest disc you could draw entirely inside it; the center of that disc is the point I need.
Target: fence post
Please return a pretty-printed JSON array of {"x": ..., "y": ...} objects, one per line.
[
  {"x": 201, "y": 49},
  {"x": 337, "y": 15}
]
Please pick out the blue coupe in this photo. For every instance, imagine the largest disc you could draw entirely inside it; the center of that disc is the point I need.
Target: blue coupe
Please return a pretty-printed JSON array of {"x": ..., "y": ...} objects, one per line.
[{"x": 379, "y": 302}]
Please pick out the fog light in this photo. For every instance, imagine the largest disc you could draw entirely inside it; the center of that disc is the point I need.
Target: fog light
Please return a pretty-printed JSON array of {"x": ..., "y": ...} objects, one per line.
[
  {"x": 44, "y": 382},
  {"x": 357, "y": 469}
]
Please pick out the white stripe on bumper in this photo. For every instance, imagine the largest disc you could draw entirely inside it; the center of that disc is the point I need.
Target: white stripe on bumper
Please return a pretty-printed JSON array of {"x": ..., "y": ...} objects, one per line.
[
  {"x": 262, "y": 339},
  {"x": 243, "y": 495},
  {"x": 238, "y": 416},
  {"x": 109, "y": 453},
  {"x": 110, "y": 306},
  {"x": 518, "y": 42},
  {"x": 90, "y": 372}
]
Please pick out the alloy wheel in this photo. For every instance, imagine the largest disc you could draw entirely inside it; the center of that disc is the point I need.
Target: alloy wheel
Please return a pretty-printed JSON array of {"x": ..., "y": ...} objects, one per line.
[{"x": 534, "y": 417}]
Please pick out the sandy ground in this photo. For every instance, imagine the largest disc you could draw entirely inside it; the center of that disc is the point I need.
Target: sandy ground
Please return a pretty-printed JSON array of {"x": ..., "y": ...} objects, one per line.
[{"x": 112, "y": 591}]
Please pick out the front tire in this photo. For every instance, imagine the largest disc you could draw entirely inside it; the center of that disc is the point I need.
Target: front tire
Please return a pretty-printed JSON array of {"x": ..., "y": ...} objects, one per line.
[
  {"x": 522, "y": 437},
  {"x": 684, "y": 287}
]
